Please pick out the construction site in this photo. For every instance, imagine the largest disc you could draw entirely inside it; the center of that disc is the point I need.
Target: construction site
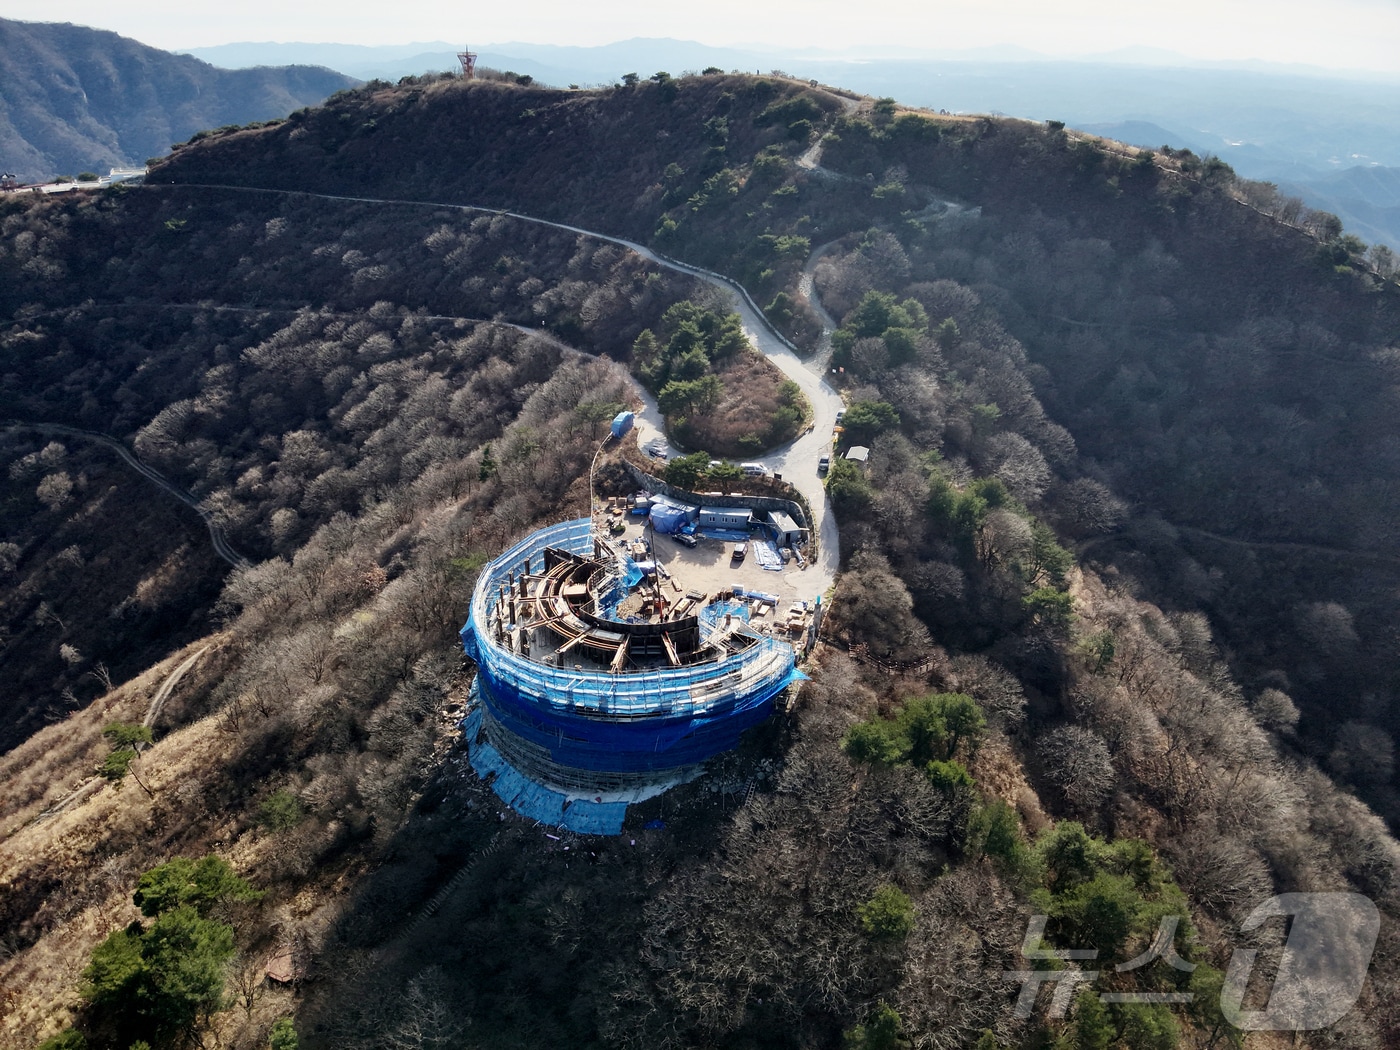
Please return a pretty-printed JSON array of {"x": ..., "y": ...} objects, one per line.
[{"x": 609, "y": 670}]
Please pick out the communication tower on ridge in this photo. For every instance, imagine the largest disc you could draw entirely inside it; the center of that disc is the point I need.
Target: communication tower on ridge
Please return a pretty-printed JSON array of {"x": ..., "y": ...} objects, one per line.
[{"x": 468, "y": 59}]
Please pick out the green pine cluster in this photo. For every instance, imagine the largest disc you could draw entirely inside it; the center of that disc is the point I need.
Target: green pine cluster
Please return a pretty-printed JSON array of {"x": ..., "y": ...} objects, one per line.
[{"x": 161, "y": 980}]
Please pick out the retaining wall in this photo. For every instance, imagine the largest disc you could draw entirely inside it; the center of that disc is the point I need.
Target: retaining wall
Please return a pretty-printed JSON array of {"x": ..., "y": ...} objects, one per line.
[{"x": 653, "y": 484}]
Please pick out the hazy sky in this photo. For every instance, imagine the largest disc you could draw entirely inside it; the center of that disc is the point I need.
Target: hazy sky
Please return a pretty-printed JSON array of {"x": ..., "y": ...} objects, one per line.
[{"x": 1356, "y": 34}]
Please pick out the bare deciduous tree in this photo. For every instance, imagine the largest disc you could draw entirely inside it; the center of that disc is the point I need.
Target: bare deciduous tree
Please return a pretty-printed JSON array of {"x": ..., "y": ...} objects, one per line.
[
  {"x": 103, "y": 676},
  {"x": 1329, "y": 626},
  {"x": 1223, "y": 874},
  {"x": 248, "y": 975},
  {"x": 1004, "y": 537},
  {"x": 995, "y": 689},
  {"x": 1362, "y": 753},
  {"x": 1020, "y": 464},
  {"x": 55, "y": 490},
  {"x": 1088, "y": 506},
  {"x": 425, "y": 1019},
  {"x": 1276, "y": 711},
  {"x": 45, "y": 615},
  {"x": 1076, "y": 760},
  {"x": 878, "y": 605}
]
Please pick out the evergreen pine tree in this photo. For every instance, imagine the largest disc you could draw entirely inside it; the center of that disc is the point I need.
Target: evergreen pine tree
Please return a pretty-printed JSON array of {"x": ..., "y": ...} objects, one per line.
[{"x": 1093, "y": 1028}]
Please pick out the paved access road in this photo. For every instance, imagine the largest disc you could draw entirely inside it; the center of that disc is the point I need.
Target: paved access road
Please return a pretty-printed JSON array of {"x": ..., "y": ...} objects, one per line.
[
  {"x": 796, "y": 461},
  {"x": 222, "y": 547}
]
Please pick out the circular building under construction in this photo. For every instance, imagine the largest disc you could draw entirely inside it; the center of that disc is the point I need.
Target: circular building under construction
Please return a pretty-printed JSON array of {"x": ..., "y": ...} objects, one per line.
[{"x": 595, "y": 688}]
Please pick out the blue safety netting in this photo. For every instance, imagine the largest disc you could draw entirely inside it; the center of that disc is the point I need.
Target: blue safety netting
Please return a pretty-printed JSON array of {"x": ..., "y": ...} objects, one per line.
[
  {"x": 734, "y": 535},
  {"x": 631, "y": 722},
  {"x": 535, "y": 801},
  {"x": 670, "y": 739},
  {"x": 717, "y": 611}
]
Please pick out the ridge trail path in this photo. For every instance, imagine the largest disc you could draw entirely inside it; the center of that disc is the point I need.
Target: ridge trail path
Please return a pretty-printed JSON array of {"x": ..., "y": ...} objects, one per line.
[
  {"x": 1374, "y": 557},
  {"x": 811, "y": 160},
  {"x": 168, "y": 686},
  {"x": 90, "y": 786},
  {"x": 1283, "y": 546},
  {"x": 796, "y": 461}
]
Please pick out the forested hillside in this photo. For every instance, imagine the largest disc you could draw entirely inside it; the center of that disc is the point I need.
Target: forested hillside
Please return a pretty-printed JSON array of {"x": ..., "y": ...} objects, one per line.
[
  {"x": 1112, "y": 643},
  {"x": 75, "y": 100},
  {"x": 1197, "y": 335}
]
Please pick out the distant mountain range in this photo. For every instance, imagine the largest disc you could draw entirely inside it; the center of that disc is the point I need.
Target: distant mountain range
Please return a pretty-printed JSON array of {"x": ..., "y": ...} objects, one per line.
[
  {"x": 74, "y": 99},
  {"x": 1365, "y": 198},
  {"x": 1301, "y": 127}
]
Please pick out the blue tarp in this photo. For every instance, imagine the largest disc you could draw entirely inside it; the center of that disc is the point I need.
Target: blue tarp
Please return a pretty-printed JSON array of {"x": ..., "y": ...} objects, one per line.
[
  {"x": 622, "y": 423},
  {"x": 667, "y": 519},
  {"x": 736, "y": 535},
  {"x": 716, "y": 611},
  {"x": 609, "y": 600},
  {"x": 535, "y": 801}
]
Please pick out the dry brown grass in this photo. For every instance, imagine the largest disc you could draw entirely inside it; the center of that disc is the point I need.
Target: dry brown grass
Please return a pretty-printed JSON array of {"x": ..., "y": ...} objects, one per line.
[
  {"x": 74, "y": 870},
  {"x": 67, "y": 879},
  {"x": 998, "y": 770},
  {"x": 61, "y": 758},
  {"x": 752, "y": 397},
  {"x": 47, "y": 767}
]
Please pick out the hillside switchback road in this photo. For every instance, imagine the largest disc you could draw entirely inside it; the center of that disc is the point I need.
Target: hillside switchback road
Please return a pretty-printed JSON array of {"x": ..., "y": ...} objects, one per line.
[{"x": 795, "y": 461}]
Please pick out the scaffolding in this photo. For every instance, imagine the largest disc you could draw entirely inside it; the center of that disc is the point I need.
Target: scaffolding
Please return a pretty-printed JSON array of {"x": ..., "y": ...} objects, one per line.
[
  {"x": 609, "y": 720},
  {"x": 538, "y": 801}
]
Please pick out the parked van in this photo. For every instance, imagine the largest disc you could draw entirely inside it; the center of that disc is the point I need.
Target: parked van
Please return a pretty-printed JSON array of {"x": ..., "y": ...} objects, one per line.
[{"x": 754, "y": 470}]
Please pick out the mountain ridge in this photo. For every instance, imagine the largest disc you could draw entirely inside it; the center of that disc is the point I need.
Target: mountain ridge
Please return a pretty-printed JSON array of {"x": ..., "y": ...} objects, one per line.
[
  {"x": 1278, "y": 123},
  {"x": 74, "y": 99}
]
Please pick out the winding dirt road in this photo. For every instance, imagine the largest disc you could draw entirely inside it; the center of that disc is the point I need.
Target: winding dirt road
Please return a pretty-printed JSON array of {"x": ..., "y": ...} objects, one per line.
[
  {"x": 168, "y": 686},
  {"x": 90, "y": 786}
]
